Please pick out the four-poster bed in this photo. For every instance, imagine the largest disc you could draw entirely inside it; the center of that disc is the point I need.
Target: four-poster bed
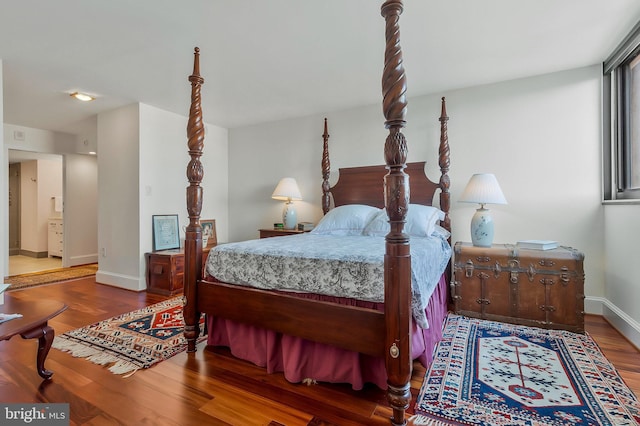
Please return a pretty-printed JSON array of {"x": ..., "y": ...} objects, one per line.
[{"x": 383, "y": 332}]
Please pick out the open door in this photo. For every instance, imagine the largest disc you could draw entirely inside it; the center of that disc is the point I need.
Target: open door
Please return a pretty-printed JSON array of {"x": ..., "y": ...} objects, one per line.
[{"x": 14, "y": 209}]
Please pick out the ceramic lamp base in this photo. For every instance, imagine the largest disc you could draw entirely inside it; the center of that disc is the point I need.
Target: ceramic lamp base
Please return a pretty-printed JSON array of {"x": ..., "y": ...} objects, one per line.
[
  {"x": 289, "y": 216},
  {"x": 482, "y": 228}
]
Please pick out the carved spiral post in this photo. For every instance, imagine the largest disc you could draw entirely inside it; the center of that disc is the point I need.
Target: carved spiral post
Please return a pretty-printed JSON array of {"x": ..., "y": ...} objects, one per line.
[
  {"x": 445, "y": 184},
  {"x": 443, "y": 162},
  {"x": 326, "y": 168},
  {"x": 397, "y": 275},
  {"x": 193, "y": 237}
]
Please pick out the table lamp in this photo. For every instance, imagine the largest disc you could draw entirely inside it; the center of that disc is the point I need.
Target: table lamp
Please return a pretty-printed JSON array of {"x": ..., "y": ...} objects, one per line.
[
  {"x": 288, "y": 191},
  {"x": 483, "y": 188}
]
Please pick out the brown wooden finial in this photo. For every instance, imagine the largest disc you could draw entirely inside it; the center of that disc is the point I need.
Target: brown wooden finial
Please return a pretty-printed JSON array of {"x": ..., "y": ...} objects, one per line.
[{"x": 196, "y": 61}]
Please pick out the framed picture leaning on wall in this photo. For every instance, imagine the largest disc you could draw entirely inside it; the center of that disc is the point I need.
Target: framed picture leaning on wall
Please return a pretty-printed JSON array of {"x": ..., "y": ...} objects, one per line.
[
  {"x": 209, "y": 232},
  {"x": 166, "y": 234}
]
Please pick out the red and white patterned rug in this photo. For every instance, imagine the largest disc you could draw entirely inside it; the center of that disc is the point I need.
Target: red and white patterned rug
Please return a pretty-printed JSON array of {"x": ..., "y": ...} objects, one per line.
[
  {"x": 131, "y": 341},
  {"x": 491, "y": 373}
]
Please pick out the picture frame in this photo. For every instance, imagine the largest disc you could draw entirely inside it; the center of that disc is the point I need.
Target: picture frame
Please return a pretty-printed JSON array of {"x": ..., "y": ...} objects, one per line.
[
  {"x": 166, "y": 232},
  {"x": 209, "y": 232}
]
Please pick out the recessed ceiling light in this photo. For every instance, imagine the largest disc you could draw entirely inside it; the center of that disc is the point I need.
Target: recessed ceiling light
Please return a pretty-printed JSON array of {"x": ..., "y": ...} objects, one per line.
[{"x": 82, "y": 96}]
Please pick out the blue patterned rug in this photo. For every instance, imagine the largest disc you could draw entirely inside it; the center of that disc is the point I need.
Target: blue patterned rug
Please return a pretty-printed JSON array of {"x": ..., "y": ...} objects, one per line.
[{"x": 491, "y": 373}]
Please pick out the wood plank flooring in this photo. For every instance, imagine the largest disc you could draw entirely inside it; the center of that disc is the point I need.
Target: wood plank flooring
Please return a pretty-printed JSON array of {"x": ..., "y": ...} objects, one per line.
[{"x": 209, "y": 387}]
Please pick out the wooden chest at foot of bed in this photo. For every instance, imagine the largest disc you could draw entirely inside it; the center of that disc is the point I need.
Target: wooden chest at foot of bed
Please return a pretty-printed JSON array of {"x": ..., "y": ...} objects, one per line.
[{"x": 539, "y": 288}]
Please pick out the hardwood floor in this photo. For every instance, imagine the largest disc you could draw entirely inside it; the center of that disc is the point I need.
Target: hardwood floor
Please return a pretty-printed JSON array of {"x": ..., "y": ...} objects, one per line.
[
  {"x": 19, "y": 264},
  {"x": 209, "y": 387}
]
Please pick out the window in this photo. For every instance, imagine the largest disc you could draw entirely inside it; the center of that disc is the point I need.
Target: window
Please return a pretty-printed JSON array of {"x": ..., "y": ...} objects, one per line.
[{"x": 621, "y": 124}]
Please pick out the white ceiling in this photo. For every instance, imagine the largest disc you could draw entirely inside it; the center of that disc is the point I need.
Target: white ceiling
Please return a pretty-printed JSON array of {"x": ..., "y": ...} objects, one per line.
[{"x": 266, "y": 60}]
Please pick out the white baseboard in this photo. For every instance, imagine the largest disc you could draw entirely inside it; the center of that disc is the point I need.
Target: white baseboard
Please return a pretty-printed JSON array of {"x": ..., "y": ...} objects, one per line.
[
  {"x": 619, "y": 319},
  {"x": 127, "y": 282},
  {"x": 83, "y": 260},
  {"x": 593, "y": 305}
]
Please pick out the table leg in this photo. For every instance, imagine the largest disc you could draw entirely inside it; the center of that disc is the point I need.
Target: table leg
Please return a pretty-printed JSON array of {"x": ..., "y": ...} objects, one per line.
[{"x": 45, "y": 335}]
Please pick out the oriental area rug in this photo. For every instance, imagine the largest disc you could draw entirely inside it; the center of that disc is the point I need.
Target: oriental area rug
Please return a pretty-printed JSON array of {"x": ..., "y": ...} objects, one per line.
[
  {"x": 52, "y": 276},
  {"x": 131, "y": 341},
  {"x": 491, "y": 373}
]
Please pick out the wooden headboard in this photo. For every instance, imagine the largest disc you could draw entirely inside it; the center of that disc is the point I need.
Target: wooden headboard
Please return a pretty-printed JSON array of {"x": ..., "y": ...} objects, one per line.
[{"x": 362, "y": 185}]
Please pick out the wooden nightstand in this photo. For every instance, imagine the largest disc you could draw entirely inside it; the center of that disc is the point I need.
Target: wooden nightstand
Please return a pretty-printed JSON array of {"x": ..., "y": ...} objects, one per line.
[
  {"x": 266, "y": 233},
  {"x": 539, "y": 288},
  {"x": 165, "y": 270}
]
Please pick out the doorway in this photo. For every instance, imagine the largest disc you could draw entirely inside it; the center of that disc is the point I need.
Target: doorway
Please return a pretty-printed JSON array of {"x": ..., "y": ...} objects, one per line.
[
  {"x": 35, "y": 181},
  {"x": 14, "y": 209}
]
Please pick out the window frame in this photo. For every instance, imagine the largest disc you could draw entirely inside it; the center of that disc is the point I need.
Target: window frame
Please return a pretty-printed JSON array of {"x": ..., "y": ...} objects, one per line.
[{"x": 616, "y": 94}]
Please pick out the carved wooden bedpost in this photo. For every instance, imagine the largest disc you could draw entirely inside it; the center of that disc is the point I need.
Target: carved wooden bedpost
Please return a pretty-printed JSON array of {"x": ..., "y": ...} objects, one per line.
[
  {"x": 193, "y": 237},
  {"x": 443, "y": 162},
  {"x": 326, "y": 170},
  {"x": 397, "y": 275}
]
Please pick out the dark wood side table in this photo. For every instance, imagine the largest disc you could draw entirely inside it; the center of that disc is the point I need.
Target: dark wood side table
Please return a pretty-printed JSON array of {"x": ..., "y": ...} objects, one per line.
[
  {"x": 165, "y": 270},
  {"x": 32, "y": 325},
  {"x": 266, "y": 233}
]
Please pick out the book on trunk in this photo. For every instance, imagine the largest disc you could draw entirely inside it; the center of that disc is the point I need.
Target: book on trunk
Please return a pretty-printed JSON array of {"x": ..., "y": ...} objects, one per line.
[{"x": 538, "y": 244}]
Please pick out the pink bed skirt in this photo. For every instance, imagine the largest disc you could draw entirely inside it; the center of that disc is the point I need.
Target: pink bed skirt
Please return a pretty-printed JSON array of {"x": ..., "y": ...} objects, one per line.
[{"x": 301, "y": 359}]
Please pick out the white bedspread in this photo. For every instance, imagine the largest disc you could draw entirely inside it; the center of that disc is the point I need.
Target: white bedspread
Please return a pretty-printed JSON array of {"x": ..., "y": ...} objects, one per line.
[{"x": 343, "y": 266}]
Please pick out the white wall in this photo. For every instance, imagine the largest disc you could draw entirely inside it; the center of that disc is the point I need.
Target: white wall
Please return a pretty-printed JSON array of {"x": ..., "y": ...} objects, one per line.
[
  {"x": 29, "y": 206},
  {"x": 163, "y": 182},
  {"x": 622, "y": 291},
  {"x": 263, "y": 154},
  {"x": 142, "y": 171},
  {"x": 86, "y": 132},
  {"x": 38, "y": 140},
  {"x": 215, "y": 184},
  {"x": 118, "y": 208},
  {"x": 540, "y": 136},
  {"x": 40, "y": 180},
  {"x": 80, "y": 209},
  {"x": 259, "y": 156},
  {"x": 49, "y": 185}
]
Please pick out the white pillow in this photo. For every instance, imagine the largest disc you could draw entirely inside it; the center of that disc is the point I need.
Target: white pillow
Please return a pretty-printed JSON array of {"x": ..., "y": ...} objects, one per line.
[
  {"x": 441, "y": 231},
  {"x": 350, "y": 219},
  {"x": 421, "y": 221}
]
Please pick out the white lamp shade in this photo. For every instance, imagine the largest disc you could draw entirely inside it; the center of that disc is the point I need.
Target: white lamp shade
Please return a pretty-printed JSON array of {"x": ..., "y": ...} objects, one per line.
[
  {"x": 287, "y": 190},
  {"x": 483, "y": 188}
]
